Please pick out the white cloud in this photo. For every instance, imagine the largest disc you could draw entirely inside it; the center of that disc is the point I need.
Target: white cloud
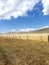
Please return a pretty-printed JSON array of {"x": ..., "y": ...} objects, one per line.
[
  {"x": 27, "y": 30},
  {"x": 33, "y": 29},
  {"x": 44, "y": 27},
  {"x": 16, "y": 8},
  {"x": 13, "y": 30},
  {"x": 45, "y": 7}
]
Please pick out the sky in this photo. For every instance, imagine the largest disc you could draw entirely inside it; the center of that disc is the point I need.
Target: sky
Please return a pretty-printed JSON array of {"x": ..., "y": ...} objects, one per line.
[{"x": 23, "y": 15}]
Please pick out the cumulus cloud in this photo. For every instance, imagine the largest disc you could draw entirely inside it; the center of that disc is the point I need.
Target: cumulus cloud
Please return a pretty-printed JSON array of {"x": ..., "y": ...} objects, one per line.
[
  {"x": 13, "y": 30},
  {"x": 44, "y": 27},
  {"x": 45, "y": 7},
  {"x": 33, "y": 29},
  {"x": 27, "y": 30},
  {"x": 16, "y": 8}
]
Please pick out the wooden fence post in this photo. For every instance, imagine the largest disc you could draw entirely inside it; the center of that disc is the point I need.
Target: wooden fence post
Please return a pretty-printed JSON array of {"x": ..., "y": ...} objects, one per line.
[
  {"x": 19, "y": 37},
  {"x": 48, "y": 38},
  {"x": 27, "y": 37},
  {"x": 41, "y": 39}
]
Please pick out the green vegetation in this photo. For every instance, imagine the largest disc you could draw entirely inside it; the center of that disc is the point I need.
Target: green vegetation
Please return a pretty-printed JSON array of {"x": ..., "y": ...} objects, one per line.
[{"x": 23, "y": 52}]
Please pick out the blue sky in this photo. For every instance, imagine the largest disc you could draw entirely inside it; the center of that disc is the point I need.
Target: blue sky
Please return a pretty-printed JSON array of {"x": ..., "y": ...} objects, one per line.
[{"x": 29, "y": 17}]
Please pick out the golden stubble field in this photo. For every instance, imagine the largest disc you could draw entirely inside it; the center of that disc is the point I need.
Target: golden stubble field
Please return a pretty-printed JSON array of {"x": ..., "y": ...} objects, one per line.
[
  {"x": 23, "y": 52},
  {"x": 42, "y": 37}
]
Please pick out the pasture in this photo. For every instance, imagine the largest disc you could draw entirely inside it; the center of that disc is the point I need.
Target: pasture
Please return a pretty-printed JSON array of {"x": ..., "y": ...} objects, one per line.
[
  {"x": 42, "y": 37},
  {"x": 15, "y": 51}
]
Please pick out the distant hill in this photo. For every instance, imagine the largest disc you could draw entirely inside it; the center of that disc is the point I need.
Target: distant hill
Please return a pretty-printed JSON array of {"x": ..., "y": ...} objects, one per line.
[{"x": 44, "y": 30}]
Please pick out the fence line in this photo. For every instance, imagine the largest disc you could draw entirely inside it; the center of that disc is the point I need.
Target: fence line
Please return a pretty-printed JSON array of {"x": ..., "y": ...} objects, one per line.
[{"x": 27, "y": 37}]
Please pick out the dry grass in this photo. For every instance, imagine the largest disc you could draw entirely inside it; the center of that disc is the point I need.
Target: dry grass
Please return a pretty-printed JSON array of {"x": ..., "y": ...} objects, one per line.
[
  {"x": 23, "y": 52},
  {"x": 30, "y": 36}
]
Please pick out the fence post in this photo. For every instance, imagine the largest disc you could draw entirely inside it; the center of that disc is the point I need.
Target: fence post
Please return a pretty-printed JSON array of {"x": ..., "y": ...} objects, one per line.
[
  {"x": 27, "y": 37},
  {"x": 19, "y": 37},
  {"x": 48, "y": 38},
  {"x": 41, "y": 39}
]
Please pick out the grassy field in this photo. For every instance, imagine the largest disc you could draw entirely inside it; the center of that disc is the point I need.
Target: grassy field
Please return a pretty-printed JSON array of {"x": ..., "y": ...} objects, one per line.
[
  {"x": 23, "y": 52},
  {"x": 28, "y": 36}
]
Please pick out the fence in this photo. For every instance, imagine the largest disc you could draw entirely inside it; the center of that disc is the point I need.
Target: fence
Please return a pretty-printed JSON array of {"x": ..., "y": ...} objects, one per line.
[{"x": 36, "y": 37}]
